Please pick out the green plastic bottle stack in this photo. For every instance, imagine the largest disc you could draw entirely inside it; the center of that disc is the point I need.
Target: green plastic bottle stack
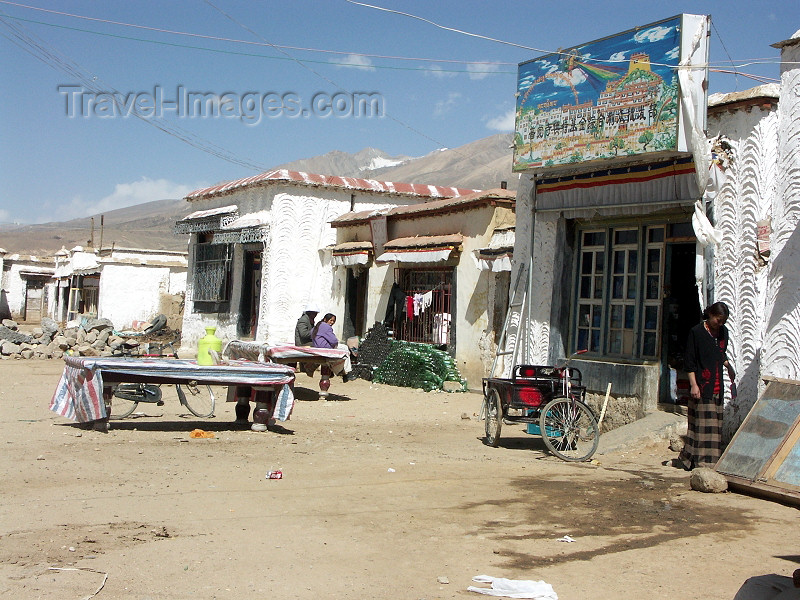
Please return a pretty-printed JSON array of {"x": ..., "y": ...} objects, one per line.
[{"x": 419, "y": 366}]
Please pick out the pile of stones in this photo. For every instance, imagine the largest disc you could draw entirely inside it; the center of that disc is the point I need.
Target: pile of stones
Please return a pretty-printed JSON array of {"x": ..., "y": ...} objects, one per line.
[{"x": 93, "y": 337}]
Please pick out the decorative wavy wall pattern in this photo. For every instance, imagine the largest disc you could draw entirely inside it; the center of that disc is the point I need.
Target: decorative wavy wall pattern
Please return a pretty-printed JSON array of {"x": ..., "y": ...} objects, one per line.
[
  {"x": 740, "y": 280},
  {"x": 781, "y": 354}
]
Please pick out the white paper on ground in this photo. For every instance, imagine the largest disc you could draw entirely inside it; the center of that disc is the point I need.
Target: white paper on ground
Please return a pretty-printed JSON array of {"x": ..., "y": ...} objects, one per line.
[{"x": 514, "y": 588}]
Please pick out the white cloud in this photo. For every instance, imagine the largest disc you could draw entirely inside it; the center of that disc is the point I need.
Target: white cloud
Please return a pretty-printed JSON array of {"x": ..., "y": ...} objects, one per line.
[
  {"x": 439, "y": 72},
  {"x": 504, "y": 122},
  {"x": 674, "y": 53},
  {"x": 574, "y": 77},
  {"x": 652, "y": 35},
  {"x": 124, "y": 195},
  {"x": 444, "y": 106},
  {"x": 617, "y": 56},
  {"x": 481, "y": 70},
  {"x": 357, "y": 61}
]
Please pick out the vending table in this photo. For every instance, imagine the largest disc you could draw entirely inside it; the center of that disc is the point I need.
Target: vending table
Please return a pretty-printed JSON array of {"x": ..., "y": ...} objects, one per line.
[
  {"x": 85, "y": 390},
  {"x": 331, "y": 361}
]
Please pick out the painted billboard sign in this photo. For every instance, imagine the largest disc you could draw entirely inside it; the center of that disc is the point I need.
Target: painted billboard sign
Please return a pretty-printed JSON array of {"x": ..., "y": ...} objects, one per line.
[{"x": 605, "y": 100}]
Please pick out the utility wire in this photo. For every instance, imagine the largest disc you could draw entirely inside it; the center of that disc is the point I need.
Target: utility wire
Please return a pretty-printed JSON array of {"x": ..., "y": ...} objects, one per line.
[
  {"x": 50, "y": 56},
  {"x": 385, "y": 113},
  {"x": 746, "y": 62},
  {"x": 254, "y": 55}
]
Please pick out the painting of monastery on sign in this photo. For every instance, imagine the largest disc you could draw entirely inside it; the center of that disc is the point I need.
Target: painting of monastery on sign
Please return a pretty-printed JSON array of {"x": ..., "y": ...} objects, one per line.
[{"x": 609, "y": 98}]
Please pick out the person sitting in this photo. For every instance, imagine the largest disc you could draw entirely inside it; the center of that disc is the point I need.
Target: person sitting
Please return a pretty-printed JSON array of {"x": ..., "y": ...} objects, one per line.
[
  {"x": 323, "y": 337},
  {"x": 302, "y": 331}
]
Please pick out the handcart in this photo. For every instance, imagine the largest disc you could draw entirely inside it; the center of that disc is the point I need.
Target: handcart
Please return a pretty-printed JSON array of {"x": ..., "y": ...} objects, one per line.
[{"x": 550, "y": 401}]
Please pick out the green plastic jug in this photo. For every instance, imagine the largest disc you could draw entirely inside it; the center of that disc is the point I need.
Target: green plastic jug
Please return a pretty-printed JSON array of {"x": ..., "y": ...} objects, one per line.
[{"x": 209, "y": 342}]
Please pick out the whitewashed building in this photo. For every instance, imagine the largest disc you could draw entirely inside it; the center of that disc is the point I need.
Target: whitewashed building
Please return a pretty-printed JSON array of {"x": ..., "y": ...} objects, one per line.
[
  {"x": 258, "y": 253},
  {"x": 26, "y": 286},
  {"x": 124, "y": 285},
  {"x": 450, "y": 260},
  {"x": 622, "y": 261}
]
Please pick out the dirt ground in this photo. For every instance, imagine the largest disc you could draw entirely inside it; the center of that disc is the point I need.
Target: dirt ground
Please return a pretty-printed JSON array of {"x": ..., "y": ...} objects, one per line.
[{"x": 386, "y": 493}]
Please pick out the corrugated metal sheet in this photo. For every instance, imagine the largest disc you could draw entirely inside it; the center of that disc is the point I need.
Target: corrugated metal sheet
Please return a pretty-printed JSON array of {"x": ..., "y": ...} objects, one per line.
[{"x": 354, "y": 183}]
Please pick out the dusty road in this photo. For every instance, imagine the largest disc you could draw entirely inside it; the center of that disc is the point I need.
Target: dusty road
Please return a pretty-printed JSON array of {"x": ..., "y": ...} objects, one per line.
[{"x": 387, "y": 493}]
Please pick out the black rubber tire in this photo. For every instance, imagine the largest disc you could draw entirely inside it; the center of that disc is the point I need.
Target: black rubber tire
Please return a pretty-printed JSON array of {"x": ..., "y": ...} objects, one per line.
[
  {"x": 493, "y": 417},
  {"x": 569, "y": 429},
  {"x": 123, "y": 405},
  {"x": 198, "y": 399}
]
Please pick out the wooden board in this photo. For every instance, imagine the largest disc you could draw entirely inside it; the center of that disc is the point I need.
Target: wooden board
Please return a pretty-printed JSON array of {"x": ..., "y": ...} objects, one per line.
[{"x": 765, "y": 452}]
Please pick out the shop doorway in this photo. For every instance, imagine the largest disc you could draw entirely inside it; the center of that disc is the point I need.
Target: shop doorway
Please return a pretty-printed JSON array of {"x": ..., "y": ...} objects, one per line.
[
  {"x": 355, "y": 303},
  {"x": 251, "y": 295},
  {"x": 681, "y": 312}
]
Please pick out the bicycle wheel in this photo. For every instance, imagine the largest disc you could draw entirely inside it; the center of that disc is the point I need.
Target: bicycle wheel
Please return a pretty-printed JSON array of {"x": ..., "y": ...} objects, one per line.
[
  {"x": 569, "y": 429},
  {"x": 493, "y": 414},
  {"x": 124, "y": 401},
  {"x": 199, "y": 399}
]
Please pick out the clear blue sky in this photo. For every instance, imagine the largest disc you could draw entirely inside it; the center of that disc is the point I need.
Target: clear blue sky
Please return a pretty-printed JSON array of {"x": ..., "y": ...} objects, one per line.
[{"x": 54, "y": 166}]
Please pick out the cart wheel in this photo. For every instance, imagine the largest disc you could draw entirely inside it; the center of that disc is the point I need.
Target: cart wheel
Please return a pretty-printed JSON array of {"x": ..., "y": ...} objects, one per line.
[
  {"x": 199, "y": 399},
  {"x": 569, "y": 429},
  {"x": 125, "y": 400},
  {"x": 493, "y": 413}
]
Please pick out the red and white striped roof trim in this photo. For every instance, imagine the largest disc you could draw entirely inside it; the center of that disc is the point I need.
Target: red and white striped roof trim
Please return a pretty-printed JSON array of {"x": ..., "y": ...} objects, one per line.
[{"x": 353, "y": 183}]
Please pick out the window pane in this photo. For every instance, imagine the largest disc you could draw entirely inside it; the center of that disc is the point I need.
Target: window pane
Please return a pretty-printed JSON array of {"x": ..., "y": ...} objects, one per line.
[
  {"x": 586, "y": 287},
  {"x": 619, "y": 261},
  {"x": 684, "y": 230},
  {"x": 583, "y": 338},
  {"x": 595, "y": 341},
  {"x": 599, "y": 262},
  {"x": 651, "y": 317},
  {"x": 653, "y": 260},
  {"x": 598, "y": 287},
  {"x": 655, "y": 234},
  {"x": 583, "y": 315},
  {"x": 649, "y": 345},
  {"x": 631, "y": 287},
  {"x": 616, "y": 317},
  {"x": 586, "y": 263},
  {"x": 633, "y": 261},
  {"x": 615, "y": 342},
  {"x": 630, "y": 312},
  {"x": 652, "y": 287},
  {"x": 596, "y": 315},
  {"x": 594, "y": 238},
  {"x": 617, "y": 291},
  {"x": 626, "y": 236}
]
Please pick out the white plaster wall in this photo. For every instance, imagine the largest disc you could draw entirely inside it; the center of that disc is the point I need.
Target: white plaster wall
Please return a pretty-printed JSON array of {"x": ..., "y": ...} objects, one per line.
[
  {"x": 15, "y": 291},
  {"x": 740, "y": 279},
  {"x": 177, "y": 282},
  {"x": 131, "y": 293},
  {"x": 544, "y": 239},
  {"x": 781, "y": 352},
  {"x": 296, "y": 268}
]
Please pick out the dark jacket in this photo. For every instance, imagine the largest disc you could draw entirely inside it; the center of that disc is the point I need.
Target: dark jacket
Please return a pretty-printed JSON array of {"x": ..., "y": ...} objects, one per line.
[
  {"x": 705, "y": 357},
  {"x": 302, "y": 331}
]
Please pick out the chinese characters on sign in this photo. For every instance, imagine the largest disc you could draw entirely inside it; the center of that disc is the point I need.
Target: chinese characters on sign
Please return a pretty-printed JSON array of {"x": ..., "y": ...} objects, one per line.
[{"x": 610, "y": 98}]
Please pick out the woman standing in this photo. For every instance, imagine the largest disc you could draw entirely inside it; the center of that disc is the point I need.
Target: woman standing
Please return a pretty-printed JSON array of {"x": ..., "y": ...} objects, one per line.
[{"x": 706, "y": 355}]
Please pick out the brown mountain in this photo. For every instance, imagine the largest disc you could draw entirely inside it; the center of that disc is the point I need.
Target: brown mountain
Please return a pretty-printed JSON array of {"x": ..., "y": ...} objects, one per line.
[{"x": 482, "y": 164}]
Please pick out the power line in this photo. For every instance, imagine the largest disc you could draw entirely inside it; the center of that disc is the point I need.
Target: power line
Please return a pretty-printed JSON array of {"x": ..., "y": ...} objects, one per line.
[
  {"x": 387, "y": 115},
  {"x": 747, "y": 62},
  {"x": 50, "y": 56}
]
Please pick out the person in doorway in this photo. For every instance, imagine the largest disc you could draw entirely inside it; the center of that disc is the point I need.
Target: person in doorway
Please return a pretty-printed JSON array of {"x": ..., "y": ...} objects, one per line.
[
  {"x": 705, "y": 358},
  {"x": 324, "y": 337},
  {"x": 302, "y": 331}
]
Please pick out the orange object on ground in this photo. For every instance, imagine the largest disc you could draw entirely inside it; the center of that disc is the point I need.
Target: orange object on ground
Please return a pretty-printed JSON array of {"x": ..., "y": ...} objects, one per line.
[{"x": 199, "y": 433}]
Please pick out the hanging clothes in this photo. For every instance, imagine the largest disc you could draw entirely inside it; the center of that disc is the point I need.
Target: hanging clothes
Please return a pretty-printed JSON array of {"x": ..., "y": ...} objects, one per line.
[
  {"x": 395, "y": 306},
  {"x": 410, "y": 307}
]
